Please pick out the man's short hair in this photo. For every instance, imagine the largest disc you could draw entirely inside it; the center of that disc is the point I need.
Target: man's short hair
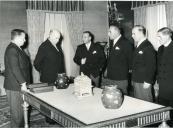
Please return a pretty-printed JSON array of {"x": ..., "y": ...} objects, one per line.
[
  {"x": 90, "y": 34},
  {"x": 165, "y": 31},
  {"x": 141, "y": 29},
  {"x": 16, "y": 32},
  {"x": 116, "y": 27}
]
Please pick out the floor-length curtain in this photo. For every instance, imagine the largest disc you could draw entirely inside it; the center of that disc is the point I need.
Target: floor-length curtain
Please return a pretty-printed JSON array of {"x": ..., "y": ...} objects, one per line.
[
  {"x": 58, "y": 21},
  {"x": 155, "y": 19},
  {"x": 169, "y": 14},
  {"x": 140, "y": 16},
  {"x": 75, "y": 28},
  {"x": 35, "y": 22}
]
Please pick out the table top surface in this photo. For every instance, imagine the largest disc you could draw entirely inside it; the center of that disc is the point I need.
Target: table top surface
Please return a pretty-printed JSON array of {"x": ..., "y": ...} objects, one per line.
[{"x": 90, "y": 109}]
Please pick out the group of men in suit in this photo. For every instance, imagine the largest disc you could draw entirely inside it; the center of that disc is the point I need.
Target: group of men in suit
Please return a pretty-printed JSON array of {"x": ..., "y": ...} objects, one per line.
[{"x": 142, "y": 61}]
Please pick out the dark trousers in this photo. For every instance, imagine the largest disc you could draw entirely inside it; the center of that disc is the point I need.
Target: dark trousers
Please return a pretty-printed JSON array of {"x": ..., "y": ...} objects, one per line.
[
  {"x": 165, "y": 102},
  {"x": 95, "y": 80},
  {"x": 15, "y": 102},
  {"x": 142, "y": 93},
  {"x": 122, "y": 85}
]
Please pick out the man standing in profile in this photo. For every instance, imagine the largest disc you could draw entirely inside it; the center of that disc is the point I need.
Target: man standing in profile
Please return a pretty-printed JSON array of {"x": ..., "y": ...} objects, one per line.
[
  {"x": 144, "y": 65},
  {"x": 120, "y": 59},
  {"x": 90, "y": 57},
  {"x": 165, "y": 67},
  {"x": 17, "y": 75},
  {"x": 49, "y": 60}
]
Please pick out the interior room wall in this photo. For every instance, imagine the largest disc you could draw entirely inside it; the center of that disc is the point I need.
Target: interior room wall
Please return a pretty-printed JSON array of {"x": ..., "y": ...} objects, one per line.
[
  {"x": 12, "y": 15},
  {"x": 96, "y": 19}
]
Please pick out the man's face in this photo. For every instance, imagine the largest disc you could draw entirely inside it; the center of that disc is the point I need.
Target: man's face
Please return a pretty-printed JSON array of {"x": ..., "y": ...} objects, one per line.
[
  {"x": 86, "y": 38},
  {"x": 20, "y": 39},
  {"x": 136, "y": 35},
  {"x": 162, "y": 39},
  {"x": 54, "y": 37},
  {"x": 113, "y": 32}
]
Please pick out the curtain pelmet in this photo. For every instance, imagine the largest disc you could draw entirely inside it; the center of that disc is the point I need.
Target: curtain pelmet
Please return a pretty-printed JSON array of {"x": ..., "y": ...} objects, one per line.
[{"x": 55, "y": 5}]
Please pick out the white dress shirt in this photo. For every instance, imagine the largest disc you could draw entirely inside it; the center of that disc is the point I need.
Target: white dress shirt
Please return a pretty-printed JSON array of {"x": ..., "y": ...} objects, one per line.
[
  {"x": 115, "y": 40},
  {"x": 166, "y": 44},
  {"x": 140, "y": 42},
  {"x": 88, "y": 45}
]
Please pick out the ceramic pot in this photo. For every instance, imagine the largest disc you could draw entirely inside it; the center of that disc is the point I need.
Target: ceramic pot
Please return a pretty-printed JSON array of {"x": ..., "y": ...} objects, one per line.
[
  {"x": 62, "y": 81},
  {"x": 112, "y": 98}
]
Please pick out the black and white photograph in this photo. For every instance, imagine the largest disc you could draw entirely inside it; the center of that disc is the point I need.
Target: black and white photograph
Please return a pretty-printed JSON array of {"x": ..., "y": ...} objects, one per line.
[{"x": 86, "y": 63}]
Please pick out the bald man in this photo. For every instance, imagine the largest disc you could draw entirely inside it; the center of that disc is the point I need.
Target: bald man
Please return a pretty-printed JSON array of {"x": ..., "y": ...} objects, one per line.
[{"x": 50, "y": 59}]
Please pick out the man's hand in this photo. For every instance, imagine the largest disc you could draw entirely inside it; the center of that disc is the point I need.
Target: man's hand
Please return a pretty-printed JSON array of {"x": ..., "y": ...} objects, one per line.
[
  {"x": 83, "y": 60},
  {"x": 23, "y": 87},
  {"x": 146, "y": 85}
]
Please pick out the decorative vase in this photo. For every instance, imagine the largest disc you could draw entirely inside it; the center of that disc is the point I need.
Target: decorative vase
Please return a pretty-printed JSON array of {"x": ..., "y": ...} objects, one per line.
[
  {"x": 112, "y": 98},
  {"x": 62, "y": 81}
]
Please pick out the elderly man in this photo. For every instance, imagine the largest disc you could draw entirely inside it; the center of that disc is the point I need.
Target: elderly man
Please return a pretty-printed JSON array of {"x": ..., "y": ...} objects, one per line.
[
  {"x": 165, "y": 67},
  {"x": 120, "y": 59},
  {"x": 144, "y": 65},
  {"x": 49, "y": 60}
]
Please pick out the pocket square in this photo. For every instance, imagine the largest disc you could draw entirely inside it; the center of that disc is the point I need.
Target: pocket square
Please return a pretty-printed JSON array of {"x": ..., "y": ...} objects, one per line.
[
  {"x": 117, "y": 48},
  {"x": 94, "y": 52},
  {"x": 140, "y": 52}
]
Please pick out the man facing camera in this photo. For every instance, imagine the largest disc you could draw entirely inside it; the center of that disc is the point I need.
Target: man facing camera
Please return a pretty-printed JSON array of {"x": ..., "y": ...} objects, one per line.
[
  {"x": 120, "y": 58},
  {"x": 90, "y": 57},
  {"x": 144, "y": 65},
  {"x": 165, "y": 67}
]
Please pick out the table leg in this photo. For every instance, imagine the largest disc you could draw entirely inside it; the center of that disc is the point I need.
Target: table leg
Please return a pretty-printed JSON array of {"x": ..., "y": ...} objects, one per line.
[
  {"x": 25, "y": 109},
  {"x": 164, "y": 124}
]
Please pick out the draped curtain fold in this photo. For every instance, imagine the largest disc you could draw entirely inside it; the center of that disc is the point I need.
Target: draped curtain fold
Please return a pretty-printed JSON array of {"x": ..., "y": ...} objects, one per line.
[
  {"x": 70, "y": 25},
  {"x": 139, "y": 4},
  {"x": 140, "y": 16},
  {"x": 75, "y": 28},
  {"x": 156, "y": 19},
  {"x": 35, "y": 23},
  {"x": 153, "y": 18},
  {"x": 169, "y": 12}
]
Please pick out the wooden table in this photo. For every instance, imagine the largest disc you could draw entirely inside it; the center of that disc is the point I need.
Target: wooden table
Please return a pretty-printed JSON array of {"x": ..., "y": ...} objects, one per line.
[{"x": 69, "y": 111}]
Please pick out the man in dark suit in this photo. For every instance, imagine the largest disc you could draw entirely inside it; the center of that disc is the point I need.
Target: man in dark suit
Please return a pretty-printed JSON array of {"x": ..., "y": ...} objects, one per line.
[
  {"x": 165, "y": 67},
  {"x": 49, "y": 60},
  {"x": 144, "y": 65},
  {"x": 120, "y": 59},
  {"x": 90, "y": 57},
  {"x": 17, "y": 75}
]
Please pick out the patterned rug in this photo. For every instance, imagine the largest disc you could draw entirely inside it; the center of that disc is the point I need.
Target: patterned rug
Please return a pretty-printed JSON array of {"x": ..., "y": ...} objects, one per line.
[{"x": 37, "y": 120}]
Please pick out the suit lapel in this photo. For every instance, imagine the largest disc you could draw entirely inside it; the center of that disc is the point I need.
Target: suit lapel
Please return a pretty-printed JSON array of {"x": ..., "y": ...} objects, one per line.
[
  {"x": 118, "y": 43},
  {"x": 91, "y": 47},
  {"x": 141, "y": 47},
  {"x": 53, "y": 47}
]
